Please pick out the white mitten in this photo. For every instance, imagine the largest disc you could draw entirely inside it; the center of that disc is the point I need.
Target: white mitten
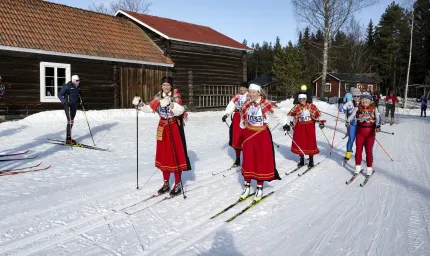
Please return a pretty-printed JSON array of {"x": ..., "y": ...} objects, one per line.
[
  {"x": 165, "y": 102},
  {"x": 136, "y": 101}
]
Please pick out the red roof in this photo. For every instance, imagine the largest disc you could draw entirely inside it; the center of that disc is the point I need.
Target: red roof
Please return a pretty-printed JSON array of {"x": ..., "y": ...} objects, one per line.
[
  {"x": 183, "y": 31},
  {"x": 44, "y": 27}
]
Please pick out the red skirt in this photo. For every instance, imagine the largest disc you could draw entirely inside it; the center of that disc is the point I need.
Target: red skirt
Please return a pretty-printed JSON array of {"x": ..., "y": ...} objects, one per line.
[
  {"x": 165, "y": 158},
  {"x": 236, "y": 133},
  {"x": 305, "y": 137},
  {"x": 258, "y": 155}
]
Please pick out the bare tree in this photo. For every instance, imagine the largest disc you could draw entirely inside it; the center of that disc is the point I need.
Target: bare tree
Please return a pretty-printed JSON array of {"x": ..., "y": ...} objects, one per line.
[
  {"x": 140, "y": 6},
  {"x": 328, "y": 16}
]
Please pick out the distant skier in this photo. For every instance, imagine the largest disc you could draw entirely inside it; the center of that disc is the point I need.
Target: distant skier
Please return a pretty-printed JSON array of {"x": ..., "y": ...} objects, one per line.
[
  {"x": 70, "y": 97},
  {"x": 423, "y": 101},
  {"x": 303, "y": 117},
  {"x": 303, "y": 90},
  {"x": 258, "y": 153},
  {"x": 236, "y": 133},
  {"x": 348, "y": 96},
  {"x": 390, "y": 105},
  {"x": 340, "y": 104},
  {"x": 376, "y": 97},
  {"x": 368, "y": 122},
  {"x": 171, "y": 151},
  {"x": 351, "y": 127}
]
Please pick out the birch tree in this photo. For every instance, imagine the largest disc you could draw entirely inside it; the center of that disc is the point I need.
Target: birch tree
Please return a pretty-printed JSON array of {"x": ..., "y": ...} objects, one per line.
[
  {"x": 140, "y": 6},
  {"x": 328, "y": 16}
]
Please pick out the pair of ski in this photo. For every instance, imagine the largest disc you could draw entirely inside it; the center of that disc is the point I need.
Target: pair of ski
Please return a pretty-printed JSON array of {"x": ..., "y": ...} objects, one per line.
[
  {"x": 77, "y": 145},
  {"x": 299, "y": 167},
  {"x": 131, "y": 212},
  {"x": 34, "y": 168},
  {"x": 354, "y": 176},
  {"x": 226, "y": 170},
  {"x": 254, "y": 203},
  {"x": 17, "y": 154}
]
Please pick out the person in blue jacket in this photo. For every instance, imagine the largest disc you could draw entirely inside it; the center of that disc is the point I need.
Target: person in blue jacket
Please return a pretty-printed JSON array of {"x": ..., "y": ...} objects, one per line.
[
  {"x": 351, "y": 127},
  {"x": 423, "y": 101},
  {"x": 348, "y": 97},
  {"x": 70, "y": 97}
]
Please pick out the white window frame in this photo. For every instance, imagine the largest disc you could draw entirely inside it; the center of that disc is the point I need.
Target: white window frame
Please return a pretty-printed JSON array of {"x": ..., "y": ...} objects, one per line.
[
  {"x": 43, "y": 65},
  {"x": 325, "y": 88}
]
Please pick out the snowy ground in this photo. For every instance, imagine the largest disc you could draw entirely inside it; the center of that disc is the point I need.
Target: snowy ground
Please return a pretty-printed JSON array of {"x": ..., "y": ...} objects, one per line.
[{"x": 68, "y": 209}]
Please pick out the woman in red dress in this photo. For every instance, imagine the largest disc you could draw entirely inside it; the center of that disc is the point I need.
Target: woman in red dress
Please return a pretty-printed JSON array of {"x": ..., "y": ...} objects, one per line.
[
  {"x": 257, "y": 147},
  {"x": 171, "y": 153},
  {"x": 304, "y": 115},
  {"x": 236, "y": 133}
]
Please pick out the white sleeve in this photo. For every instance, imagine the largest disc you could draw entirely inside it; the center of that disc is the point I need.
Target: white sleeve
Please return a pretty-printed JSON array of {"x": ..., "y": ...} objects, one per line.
[
  {"x": 177, "y": 109},
  {"x": 377, "y": 117},
  {"x": 280, "y": 117},
  {"x": 146, "y": 108},
  {"x": 230, "y": 108},
  {"x": 352, "y": 115}
]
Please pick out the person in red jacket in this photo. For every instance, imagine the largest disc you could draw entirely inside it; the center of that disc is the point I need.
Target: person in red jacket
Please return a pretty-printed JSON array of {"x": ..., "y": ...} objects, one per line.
[{"x": 390, "y": 105}]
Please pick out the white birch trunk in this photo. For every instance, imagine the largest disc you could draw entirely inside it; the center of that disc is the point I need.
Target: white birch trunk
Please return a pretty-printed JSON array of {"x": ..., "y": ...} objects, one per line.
[{"x": 409, "y": 64}]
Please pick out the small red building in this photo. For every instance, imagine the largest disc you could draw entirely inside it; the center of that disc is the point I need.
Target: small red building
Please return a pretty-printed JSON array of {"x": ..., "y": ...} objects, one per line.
[{"x": 338, "y": 84}]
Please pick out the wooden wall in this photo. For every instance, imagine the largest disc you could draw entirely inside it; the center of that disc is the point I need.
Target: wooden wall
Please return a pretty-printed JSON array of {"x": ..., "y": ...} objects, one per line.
[
  {"x": 209, "y": 65},
  {"x": 100, "y": 82}
]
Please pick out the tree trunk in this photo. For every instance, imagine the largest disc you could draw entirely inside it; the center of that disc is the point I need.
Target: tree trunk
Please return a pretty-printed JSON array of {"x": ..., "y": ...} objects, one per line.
[
  {"x": 325, "y": 52},
  {"x": 409, "y": 64}
]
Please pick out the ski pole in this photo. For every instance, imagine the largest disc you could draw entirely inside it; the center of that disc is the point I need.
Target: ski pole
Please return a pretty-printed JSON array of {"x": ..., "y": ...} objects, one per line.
[
  {"x": 137, "y": 145},
  {"x": 332, "y": 115},
  {"x": 325, "y": 136},
  {"x": 295, "y": 143},
  {"x": 271, "y": 131},
  {"x": 227, "y": 124},
  {"x": 392, "y": 133},
  {"x": 334, "y": 134},
  {"x": 69, "y": 121},
  {"x": 174, "y": 154},
  {"x": 384, "y": 150},
  {"x": 85, "y": 114}
]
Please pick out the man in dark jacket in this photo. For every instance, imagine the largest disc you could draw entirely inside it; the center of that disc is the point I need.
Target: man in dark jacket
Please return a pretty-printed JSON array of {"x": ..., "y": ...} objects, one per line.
[{"x": 70, "y": 96}]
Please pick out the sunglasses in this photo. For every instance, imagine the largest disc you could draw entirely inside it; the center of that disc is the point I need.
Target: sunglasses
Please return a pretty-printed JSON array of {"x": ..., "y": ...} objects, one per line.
[
  {"x": 302, "y": 98},
  {"x": 356, "y": 96},
  {"x": 77, "y": 80}
]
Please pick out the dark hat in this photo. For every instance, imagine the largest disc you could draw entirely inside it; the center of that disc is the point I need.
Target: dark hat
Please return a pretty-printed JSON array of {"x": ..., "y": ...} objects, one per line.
[
  {"x": 244, "y": 84},
  {"x": 167, "y": 79}
]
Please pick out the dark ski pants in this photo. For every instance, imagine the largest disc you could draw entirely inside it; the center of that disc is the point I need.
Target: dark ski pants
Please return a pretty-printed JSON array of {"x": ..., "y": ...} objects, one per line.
[
  {"x": 388, "y": 108},
  {"x": 423, "y": 111},
  {"x": 70, "y": 118}
]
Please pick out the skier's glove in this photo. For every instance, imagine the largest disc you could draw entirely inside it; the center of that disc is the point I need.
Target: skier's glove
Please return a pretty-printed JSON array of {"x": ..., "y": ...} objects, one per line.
[
  {"x": 291, "y": 123},
  {"x": 378, "y": 128},
  {"x": 224, "y": 118},
  {"x": 347, "y": 124},
  {"x": 67, "y": 104},
  {"x": 286, "y": 128},
  {"x": 321, "y": 125}
]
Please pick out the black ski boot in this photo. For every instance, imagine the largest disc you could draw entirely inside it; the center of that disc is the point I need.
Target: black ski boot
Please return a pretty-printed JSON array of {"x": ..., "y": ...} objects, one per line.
[
  {"x": 176, "y": 190},
  {"x": 237, "y": 162},
  {"x": 311, "y": 161},
  {"x": 302, "y": 161},
  {"x": 165, "y": 188},
  {"x": 70, "y": 141}
]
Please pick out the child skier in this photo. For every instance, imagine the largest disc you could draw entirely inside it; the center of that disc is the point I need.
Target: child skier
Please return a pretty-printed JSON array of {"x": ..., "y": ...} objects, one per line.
[
  {"x": 236, "y": 133},
  {"x": 303, "y": 116},
  {"x": 423, "y": 101},
  {"x": 368, "y": 122},
  {"x": 348, "y": 108}
]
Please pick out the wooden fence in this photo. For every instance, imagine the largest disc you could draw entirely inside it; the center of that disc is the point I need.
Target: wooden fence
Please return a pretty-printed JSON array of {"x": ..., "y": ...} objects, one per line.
[{"x": 213, "y": 96}]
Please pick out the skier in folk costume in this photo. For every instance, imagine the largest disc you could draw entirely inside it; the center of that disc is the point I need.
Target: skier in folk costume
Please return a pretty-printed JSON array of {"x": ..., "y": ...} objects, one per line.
[
  {"x": 352, "y": 126},
  {"x": 303, "y": 117},
  {"x": 236, "y": 133},
  {"x": 257, "y": 148},
  {"x": 171, "y": 152},
  {"x": 368, "y": 123}
]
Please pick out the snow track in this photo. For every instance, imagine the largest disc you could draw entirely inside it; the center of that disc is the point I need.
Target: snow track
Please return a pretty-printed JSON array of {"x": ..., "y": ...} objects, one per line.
[{"x": 69, "y": 210}]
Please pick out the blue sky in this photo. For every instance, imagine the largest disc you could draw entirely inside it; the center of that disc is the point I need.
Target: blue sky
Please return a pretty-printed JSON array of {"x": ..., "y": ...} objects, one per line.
[{"x": 239, "y": 19}]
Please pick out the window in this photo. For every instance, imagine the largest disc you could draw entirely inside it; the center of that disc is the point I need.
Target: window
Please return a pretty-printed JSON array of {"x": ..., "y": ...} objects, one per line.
[
  {"x": 52, "y": 78},
  {"x": 327, "y": 87},
  {"x": 360, "y": 86}
]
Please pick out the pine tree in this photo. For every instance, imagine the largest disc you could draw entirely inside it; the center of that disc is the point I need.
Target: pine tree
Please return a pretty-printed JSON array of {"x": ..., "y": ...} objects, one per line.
[
  {"x": 287, "y": 67},
  {"x": 370, "y": 34}
]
